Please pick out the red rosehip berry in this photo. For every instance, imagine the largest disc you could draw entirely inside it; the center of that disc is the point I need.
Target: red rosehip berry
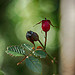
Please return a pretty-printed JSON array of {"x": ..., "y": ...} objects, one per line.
[{"x": 46, "y": 25}]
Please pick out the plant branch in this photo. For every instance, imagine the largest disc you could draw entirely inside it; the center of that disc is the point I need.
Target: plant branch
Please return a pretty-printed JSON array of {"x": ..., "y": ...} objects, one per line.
[
  {"x": 41, "y": 43},
  {"x": 22, "y": 60},
  {"x": 45, "y": 40}
]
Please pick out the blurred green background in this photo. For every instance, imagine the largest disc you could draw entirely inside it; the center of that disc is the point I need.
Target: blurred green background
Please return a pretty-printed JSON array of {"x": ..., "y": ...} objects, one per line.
[{"x": 16, "y": 18}]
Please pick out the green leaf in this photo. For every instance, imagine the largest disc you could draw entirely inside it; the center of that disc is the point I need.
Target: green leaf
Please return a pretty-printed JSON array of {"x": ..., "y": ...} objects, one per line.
[
  {"x": 28, "y": 49},
  {"x": 19, "y": 50},
  {"x": 15, "y": 51},
  {"x": 1, "y": 72},
  {"x": 34, "y": 64},
  {"x": 40, "y": 53}
]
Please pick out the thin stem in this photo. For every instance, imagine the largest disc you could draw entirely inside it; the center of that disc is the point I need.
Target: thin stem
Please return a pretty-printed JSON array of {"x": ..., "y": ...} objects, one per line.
[
  {"x": 54, "y": 63},
  {"x": 37, "y": 23},
  {"x": 54, "y": 26},
  {"x": 45, "y": 40},
  {"x": 41, "y": 43},
  {"x": 22, "y": 60},
  {"x": 54, "y": 68},
  {"x": 34, "y": 46}
]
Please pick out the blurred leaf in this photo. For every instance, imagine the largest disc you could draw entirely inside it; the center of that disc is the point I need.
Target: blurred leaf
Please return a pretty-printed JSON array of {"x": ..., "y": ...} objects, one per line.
[
  {"x": 19, "y": 50},
  {"x": 1, "y": 73},
  {"x": 40, "y": 53},
  {"x": 34, "y": 64}
]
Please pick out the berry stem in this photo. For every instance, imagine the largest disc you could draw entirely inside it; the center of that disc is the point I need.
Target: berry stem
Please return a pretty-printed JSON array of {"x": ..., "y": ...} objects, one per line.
[
  {"x": 34, "y": 46},
  {"x": 53, "y": 62},
  {"x": 41, "y": 43},
  {"x": 22, "y": 60},
  {"x": 45, "y": 40},
  {"x": 54, "y": 69}
]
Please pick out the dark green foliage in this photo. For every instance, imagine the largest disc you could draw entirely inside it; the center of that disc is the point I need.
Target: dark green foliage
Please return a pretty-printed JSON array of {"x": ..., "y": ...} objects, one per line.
[
  {"x": 34, "y": 64},
  {"x": 40, "y": 53}
]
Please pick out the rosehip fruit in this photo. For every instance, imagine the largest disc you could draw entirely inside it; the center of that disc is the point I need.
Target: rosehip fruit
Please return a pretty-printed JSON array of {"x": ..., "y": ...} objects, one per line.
[
  {"x": 32, "y": 36},
  {"x": 46, "y": 25}
]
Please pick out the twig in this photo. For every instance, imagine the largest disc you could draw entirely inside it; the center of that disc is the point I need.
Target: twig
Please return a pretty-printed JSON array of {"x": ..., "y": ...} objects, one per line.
[
  {"x": 41, "y": 43},
  {"x": 45, "y": 40},
  {"x": 22, "y": 60}
]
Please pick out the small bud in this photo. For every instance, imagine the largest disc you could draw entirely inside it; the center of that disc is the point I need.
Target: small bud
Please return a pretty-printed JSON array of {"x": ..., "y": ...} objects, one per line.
[
  {"x": 33, "y": 48},
  {"x": 39, "y": 47},
  {"x": 32, "y": 36}
]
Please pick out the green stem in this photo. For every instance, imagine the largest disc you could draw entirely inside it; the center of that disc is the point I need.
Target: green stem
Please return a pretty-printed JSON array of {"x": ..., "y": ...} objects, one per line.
[
  {"x": 54, "y": 68},
  {"x": 50, "y": 55},
  {"x": 54, "y": 63},
  {"x": 34, "y": 46}
]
